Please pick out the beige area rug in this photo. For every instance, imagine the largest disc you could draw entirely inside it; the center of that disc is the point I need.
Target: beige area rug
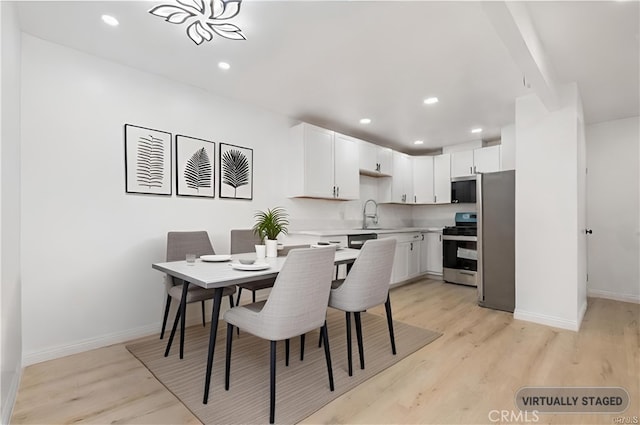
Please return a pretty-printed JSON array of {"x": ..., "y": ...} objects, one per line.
[{"x": 301, "y": 388}]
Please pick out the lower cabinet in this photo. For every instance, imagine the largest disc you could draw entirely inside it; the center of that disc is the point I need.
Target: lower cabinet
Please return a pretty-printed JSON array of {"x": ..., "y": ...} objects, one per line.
[
  {"x": 431, "y": 253},
  {"x": 406, "y": 263}
]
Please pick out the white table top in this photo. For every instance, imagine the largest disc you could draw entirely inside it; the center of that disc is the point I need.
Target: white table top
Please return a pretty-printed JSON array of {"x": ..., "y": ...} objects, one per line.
[{"x": 220, "y": 274}]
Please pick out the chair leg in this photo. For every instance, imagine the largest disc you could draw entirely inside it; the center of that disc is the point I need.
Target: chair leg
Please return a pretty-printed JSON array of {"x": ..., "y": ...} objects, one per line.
[
  {"x": 320, "y": 340},
  {"x": 239, "y": 293},
  {"x": 253, "y": 296},
  {"x": 302, "y": 347},
  {"x": 231, "y": 301},
  {"x": 359, "y": 337},
  {"x": 166, "y": 316},
  {"x": 272, "y": 400},
  {"x": 286, "y": 352},
  {"x": 387, "y": 307},
  {"x": 203, "y": 322},
  {"x": 227, "y": 365},
  {"x": 327, "y": 354},
  {"x": 348, "y": 316}
]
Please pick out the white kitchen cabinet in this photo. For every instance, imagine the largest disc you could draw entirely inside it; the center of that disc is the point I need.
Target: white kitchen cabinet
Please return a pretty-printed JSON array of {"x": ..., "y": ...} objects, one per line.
[
  {"x": 375, "y": 160},
  {"x": 487, "y": 160},
  {"x": 431, "y": 253},
  {"x": 432, "y": 179},
  {"x": 480, "y": 160},
  {"x": 399, "y": 188},
  {"x": 442, "y": 179},
  {"x": 322, "y": 164},
  {"x": 406, "y": 262}
]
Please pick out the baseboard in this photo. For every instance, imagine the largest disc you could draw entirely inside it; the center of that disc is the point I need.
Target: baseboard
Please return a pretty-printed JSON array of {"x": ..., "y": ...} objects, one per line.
[
  {"x": 7, "y": 409},
  {"x": 544, "y": 319},
  {"x": 88, "y": 344},
  {"x": 627, "y": 298},
  {"x": 581, "y": 313}
]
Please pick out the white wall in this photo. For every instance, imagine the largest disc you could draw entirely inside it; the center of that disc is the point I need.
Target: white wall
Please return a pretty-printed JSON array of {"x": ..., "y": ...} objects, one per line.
[
  {"x": 508, "y": 151},
  {"x": 87, "y": 245},
  {"x": 613, "y": 202},
  {"x": 10, "y": 303},
  {"x": 547, "y": 210}
]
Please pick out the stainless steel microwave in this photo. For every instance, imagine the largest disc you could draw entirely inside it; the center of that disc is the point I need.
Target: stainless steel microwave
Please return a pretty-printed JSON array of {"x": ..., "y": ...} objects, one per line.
[{"x": 463, "y": 190}]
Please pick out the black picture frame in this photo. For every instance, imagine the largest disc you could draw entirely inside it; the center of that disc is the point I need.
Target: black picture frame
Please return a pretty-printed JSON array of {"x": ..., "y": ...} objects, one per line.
[
  {"x": 235, "y": 172},
  {"x": 195, "y": 167},
  {"x": 147, "y": 157}
]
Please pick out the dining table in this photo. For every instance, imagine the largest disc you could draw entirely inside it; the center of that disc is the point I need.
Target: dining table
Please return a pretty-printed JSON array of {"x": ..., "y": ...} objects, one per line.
[{"x": 218, "y": 275}]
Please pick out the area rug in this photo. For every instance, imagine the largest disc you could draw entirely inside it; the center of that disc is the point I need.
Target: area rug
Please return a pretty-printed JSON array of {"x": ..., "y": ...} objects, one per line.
[{"x": 301, "y": 388}]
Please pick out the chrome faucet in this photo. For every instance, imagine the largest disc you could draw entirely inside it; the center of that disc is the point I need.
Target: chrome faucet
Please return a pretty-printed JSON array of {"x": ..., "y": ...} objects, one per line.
[{"x": 374, "y": 216}]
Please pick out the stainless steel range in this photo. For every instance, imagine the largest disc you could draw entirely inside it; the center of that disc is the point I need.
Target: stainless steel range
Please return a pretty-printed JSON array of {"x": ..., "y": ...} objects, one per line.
[{"x": 460, "y": 250}]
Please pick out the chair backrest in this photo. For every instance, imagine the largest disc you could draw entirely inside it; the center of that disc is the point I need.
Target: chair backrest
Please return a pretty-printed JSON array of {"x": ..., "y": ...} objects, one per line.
[
  {"x": 243, "y": 240},
  {"x": 179, "y": 244},
  {"x": 367, "y": 284},
  {"x": 298, "y": 300}
]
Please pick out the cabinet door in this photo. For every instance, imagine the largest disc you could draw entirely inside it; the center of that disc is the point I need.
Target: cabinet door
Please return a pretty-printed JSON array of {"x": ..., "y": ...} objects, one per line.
[
  {"x": 461, "y": 163},
  {"x": 398, "y": 181},
  {"x": 318, "y": 162},
  {"x": 413, "y": 260},
  {"x": 423, "y": 180},
  {"x": 424, "y": 253},
  {"x": 442, "y": 179},
  {"x": 368, "y": 153},
  {"x": 385, "y": 160},
  {"x": 487, "y": 160},
  {"x": 346, "y": 167},
  {"x": 433, "y": 256},
  {"x": 400, "y": 269}
]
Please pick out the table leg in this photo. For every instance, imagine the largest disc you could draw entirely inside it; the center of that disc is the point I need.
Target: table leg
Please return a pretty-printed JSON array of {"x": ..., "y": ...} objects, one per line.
[
  {"x": 183, "y": 307},
  {"x": 217, "y": 298}
]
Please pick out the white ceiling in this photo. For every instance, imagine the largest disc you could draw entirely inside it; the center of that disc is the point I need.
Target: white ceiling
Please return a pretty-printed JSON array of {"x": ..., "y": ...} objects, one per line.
[{"x": 333, "y": 62}]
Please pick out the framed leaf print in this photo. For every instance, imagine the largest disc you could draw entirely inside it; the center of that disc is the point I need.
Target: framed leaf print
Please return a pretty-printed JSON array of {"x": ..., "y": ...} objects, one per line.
[
  {"x": 147, "y": 159},
  {"x": 236, "y": 172},
  {"x": 195, "y": 167}
]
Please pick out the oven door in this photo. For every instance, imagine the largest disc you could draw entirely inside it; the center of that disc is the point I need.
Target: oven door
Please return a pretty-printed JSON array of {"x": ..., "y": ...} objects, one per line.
[{"x": 460, "y": 259}]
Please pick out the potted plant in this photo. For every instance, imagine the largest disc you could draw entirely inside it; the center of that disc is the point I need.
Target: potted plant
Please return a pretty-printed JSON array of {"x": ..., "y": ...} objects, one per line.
[{"x": 269, "y": 224}]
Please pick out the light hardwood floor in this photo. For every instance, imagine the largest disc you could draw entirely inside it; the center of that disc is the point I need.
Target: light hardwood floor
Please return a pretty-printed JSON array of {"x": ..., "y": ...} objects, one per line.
[{"x": 477, "y": 366}]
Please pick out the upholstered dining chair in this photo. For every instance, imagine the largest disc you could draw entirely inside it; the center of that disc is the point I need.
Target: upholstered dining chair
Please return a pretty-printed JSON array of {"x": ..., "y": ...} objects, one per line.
[
  {"x": 245, "y": 240},
  {"x": 179, "y": 244},
  {"x": 366, "y": 286},
  {"x": 296, "y": 304}
]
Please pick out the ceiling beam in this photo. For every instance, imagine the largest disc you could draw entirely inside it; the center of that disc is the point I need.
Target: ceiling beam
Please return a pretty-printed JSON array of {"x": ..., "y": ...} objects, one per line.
[{"x": 513, "y": 25}]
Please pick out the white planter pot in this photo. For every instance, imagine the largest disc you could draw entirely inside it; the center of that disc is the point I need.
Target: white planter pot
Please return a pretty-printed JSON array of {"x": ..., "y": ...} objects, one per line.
[{"x": 272, "y": 248}]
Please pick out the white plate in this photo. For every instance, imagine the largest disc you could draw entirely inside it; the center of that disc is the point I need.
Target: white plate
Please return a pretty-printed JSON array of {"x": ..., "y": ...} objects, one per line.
[
  {"x": 215, "y": 258},
  {"x": 338, "y": 248},
  {"x": 250, "y": 267}
]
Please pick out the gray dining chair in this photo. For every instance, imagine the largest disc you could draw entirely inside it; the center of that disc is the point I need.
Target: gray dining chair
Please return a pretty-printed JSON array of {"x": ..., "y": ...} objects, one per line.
[
  {"x": 179, "y": 244},
  {"x": 245, "y": 240},
  {"x": 297, "y": 304},
  {"x": 366, "y": 286}
]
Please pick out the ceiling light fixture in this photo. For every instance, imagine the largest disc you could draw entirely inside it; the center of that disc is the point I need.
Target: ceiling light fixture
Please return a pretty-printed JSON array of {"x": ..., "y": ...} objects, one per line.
[
  {"x": 476, "y": 130},
  {"x": 224, "y": 65},
  {"x": 418, "y": 142},
  {"x": 430, "y": 100},
  {"x": 204, "y": 18},
  {"x": 365, "y": 121},
  {"x": 110, "y": 20}
]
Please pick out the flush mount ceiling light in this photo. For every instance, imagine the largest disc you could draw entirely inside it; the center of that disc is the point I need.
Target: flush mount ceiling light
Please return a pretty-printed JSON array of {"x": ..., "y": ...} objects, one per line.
[
  {"x": 203, "y": 18},
  {"x": 418, "y": 142},
  {"x": 224, "y": 65},
  {"x": 365, "y": 121},
  {"x": 476, "y": 130},
  {"x": 430, "y": 100},
  {"x": 110, "y": 20}
]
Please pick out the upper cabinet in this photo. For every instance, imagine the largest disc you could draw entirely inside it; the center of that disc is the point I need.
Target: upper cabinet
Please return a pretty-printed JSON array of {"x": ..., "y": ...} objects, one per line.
[
  {"x": 399, "y": 188},
  {"x": 323, "y": 164},
  {"x": 375, "y": 160},
  {"x": 432, "y": 179},
  {"x": 480, "y": 160}
]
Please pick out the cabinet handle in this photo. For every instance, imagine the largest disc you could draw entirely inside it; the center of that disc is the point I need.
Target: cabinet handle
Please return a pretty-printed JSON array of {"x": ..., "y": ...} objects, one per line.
[
  {"x": 435, "y": 199},
  {"x": 334, "y": 191},
  {"x": 474, "y": 169},
  {"x": 440, "y": 238},
  {"x": 411, "y": 249},
  {"x": 337, "y": 191},
  {"x": 415, "y": 199},
  {"x": 470, "y": 170},
  {"x": 423, "y": 236}
]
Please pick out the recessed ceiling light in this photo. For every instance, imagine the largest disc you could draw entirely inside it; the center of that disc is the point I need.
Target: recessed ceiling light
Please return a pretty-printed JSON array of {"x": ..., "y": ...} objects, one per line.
[
  {"x": 365, "y": 121},
  {"x": 224, "y": 65},
  {"x": 418, "y": 142},
  {"x": 476, "y": 130},
  {"x": 110, "y": 20},
  {"x": 430, "y": 100}
]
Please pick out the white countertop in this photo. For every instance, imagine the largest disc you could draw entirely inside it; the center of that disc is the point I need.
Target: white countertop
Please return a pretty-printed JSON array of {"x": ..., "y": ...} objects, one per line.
[{"x": 348, "y": 232}]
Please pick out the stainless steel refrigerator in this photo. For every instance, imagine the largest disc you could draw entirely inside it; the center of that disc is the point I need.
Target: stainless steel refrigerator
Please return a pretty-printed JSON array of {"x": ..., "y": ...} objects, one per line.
[{"x": 496, "y": 240}]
